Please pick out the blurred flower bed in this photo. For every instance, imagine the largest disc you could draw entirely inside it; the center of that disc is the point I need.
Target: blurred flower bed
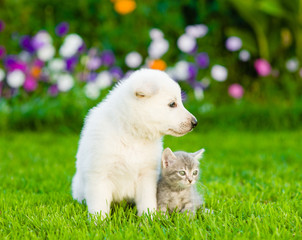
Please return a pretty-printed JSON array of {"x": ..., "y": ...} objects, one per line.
[{"x": 56, "y": 74}]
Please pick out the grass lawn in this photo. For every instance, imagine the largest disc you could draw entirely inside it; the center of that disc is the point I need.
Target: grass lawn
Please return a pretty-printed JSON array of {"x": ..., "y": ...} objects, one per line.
[{"x": 252, "y": 182}]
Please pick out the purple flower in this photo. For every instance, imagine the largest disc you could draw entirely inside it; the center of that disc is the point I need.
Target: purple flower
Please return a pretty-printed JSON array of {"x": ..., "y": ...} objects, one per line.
[
  {"x": 92, "y": 76},
  {"x": 202, "y": 60},
  {"x": 11, "y": 63},
  {"x": 53, "y": 90},
  {"x": 62, "y": 29},
  {"x": 192, "y": 73},
  {"x": 30, "y": 84},
  {"x": 2, "y": 52},
  {"x": 2, "y": 25},
  {"x": 107, "y": 58},
  {"x": 233, "y": 43},
  {"x": 41, "y": 39},
  {"x": 71, "y": 63},
  {"x": 38, "y": 63},
  {"x": 116, "y": 72},
  {"x": 26, "y": 44},
  {"x": 94, "y": 63}
]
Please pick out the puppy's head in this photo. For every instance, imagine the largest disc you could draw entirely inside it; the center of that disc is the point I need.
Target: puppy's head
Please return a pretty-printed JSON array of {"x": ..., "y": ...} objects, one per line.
[{"x": 158, "y": 103}]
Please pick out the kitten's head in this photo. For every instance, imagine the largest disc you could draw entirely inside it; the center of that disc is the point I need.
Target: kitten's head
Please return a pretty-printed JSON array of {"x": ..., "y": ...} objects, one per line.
[{"x": 180, "y": 169}]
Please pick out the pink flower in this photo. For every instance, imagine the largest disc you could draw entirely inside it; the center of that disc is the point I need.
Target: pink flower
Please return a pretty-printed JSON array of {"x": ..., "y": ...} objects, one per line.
[
  {"x": 236, "y": 91},
  {"x": 262, "y": 67},
  {"x": 30, "y": 84}
]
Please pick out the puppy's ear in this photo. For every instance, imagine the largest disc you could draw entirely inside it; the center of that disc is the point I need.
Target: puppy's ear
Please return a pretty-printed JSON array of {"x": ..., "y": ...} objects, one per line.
[
  {"x": 167, "y": 158},
  {"x": 197, "y": 155},
  {"x": 146, "y": 90}
]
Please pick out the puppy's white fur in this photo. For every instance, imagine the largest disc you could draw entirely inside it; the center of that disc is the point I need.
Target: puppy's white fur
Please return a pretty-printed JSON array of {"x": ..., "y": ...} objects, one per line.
[{"x": 120, "y": 145}]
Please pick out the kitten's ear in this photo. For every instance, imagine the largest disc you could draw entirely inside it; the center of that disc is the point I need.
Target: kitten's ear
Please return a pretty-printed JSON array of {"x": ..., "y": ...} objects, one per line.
[
  {"x": 197, "y": 155},
  {"x": 167, "y": 158},
  {"x": 146, "y": 90}
]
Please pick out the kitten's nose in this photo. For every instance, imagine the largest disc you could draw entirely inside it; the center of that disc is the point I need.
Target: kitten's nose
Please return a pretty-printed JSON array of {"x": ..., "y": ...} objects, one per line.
[
  {"x": 194, "y": 122},
  {"x": 190, "y": 180}
]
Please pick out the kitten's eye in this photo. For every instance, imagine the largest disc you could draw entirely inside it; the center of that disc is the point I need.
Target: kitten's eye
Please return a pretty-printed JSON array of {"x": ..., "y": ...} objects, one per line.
[
  {"x": 182, "y": 173},
  {"x": 195, "y": 172},
  {"x": 173, "y": 105}
]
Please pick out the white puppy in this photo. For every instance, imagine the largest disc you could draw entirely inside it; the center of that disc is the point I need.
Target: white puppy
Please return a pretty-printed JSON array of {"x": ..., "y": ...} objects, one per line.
[{"x": 121, "y": 143}]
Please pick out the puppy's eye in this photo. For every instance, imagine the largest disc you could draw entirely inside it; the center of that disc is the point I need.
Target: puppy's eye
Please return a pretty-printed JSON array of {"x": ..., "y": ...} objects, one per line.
[
  {"x": 195, "y": 172},
  {"x": 173, "y": 105},
  {"x": 182, "y": 173}
]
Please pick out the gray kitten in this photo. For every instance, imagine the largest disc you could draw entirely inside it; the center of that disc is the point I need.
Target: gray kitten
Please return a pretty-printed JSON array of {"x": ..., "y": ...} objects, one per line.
[{"x": 175, "y": 188}]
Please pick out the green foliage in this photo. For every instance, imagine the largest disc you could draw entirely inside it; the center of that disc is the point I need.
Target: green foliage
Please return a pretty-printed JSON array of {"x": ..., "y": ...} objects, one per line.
[
  {"x": 267, "y": 19},
  {"x": 258, "y": 23},
  {"x": 251, "y": 181},
  {"x": 66, "y": 112},
  {"x": 62, "y": 113}
]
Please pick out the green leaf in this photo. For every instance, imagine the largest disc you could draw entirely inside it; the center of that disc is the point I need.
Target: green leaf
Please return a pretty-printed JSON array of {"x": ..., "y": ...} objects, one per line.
[{"x": 272, "y": 7}]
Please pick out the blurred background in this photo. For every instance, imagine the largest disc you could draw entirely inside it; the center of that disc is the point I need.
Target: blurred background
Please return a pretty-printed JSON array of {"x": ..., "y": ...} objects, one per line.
[{"x": 238, "y": 62}]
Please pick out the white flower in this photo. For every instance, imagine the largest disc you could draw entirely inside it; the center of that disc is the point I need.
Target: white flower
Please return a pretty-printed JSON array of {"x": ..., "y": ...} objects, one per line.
[
  {"x": 104, "y": 79},
  {"x": 56, "y": 65},
  {"x": 71, "y": 45},
  {"x": 158, "y": 48},
  {"x": 65, "y": 82},
  {"x": 292, "y": 65},
  {"x": 2, "y": 74},
  {"x": 15, "y": 79},
  {"x": 91, "y": 90},
  {"x": 233, "y": 43},
  {"x": 244, "y": 55},
  {"x": 181, "y": 71},
  {"x": 74, "y": 39},
  {"x": 41, "y": 39},
  {"x": 198, "y": 93},
  {"x": 197, "y": 31},
  {"x": 133, "y": 59},
  {"x": 155, "y": 33},
  {"x": 46, "y": 52},
  {"x": 219, "y": 73},
  {"x": 186, "y": 43}
]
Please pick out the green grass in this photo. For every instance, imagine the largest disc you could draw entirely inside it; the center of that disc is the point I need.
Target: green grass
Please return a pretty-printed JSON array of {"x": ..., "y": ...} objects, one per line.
[{"x": 252, "y": 182}]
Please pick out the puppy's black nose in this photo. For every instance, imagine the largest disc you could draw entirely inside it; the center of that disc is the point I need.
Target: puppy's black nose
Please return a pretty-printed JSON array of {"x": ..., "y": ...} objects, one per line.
[{"x": 194, "y": 122}]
